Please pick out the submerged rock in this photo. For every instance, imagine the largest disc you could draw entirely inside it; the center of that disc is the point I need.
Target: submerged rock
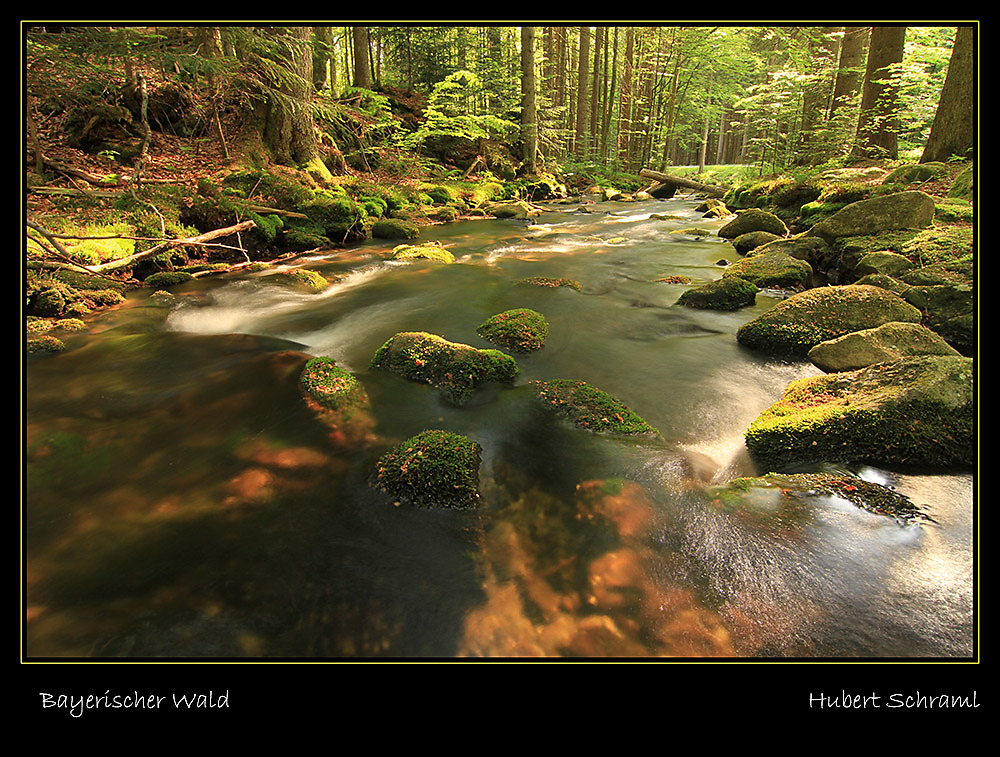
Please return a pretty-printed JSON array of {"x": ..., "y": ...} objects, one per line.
[
  {"x": 588, "y": 407},
  {"x": 339, "y": 401},
  {"x": 519, "y": 330},
  {"x": 913, "y": 411},
  {"x": 453, "y": 368},
  {"x": 432, "y": 469},
  {"x": 890, "y": 341},
  {"x": 786, "y": 500},
  {"x": 796, "y": 325}
]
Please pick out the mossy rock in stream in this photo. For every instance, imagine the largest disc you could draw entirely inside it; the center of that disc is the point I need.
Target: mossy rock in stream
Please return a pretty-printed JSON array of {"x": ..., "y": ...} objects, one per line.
[
  {"x": 455, "y": 369},
  {"x": 395, "y": 228},
  {"x": 518, "y": 330},
  {"x": 772, "y": 269},
  {"x": 795, "y": 325},
  {"x": 728, "y": 293},
  {"x": 589, "y": 407},
  {"x": 551, "y": 283},
  {"x": 432, "y": 469},
  {"x": 428, "y": 251},
  {"x": 918, "y": 411},
  {"x": 304, "y": 279},
  {"x": 331, "y": 386}
]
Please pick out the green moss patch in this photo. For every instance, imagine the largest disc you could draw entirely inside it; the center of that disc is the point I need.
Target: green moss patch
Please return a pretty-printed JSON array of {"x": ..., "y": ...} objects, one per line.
[
  {"x": 589, "y": 407},
  {"x": 520, "y": 330},
  {"x": 432, "y": 469}
]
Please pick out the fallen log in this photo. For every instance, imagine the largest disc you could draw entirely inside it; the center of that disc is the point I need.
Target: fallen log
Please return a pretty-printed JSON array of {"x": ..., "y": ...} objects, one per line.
[
  {"x": 157, "y": 249},
  {"x": 679, "y": 181}
]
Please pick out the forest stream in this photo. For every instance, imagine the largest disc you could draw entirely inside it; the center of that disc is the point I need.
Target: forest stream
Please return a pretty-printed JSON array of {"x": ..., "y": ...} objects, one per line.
[{"x": 185, "y": 502}]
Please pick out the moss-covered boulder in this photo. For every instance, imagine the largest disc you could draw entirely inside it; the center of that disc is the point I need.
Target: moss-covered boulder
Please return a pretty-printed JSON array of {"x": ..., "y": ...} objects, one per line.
[
  {"x": 453, "y": 368},
  {"x": 395, "y": 228},
  {"x": 883, "y": 261},
  {"x": 901, "y": 210},
  {"x": 773, "y": 269},
  {"x": 949, "y": 309},
  {"x": 796, "y": 325},
  {"x": 890, "y": 341},
  {"x": 432, "y": 469},
  {"x": 913, "y": 173},
  {"x": 331, "y": 386},
  {"x": 753, "y": 219},
  {"x": 45, "y": 343},
  {"x": 428, "y": 251},
  {"x": 167, "y": 279},
  {"x": 589, "y": 407},
  {"x": 964, "y": 186},
  {"x": 302, "y": 279},
  {"x": 728, "y": 293},
  {"x": 886, "y": 282},
  {"x": 918, "y": 411},
  {"x": 744, "y": 243},
  {"x": 520, "y": 210},
  {"x": 518, "y": 330},
  {"x": 715, "y": 208}
]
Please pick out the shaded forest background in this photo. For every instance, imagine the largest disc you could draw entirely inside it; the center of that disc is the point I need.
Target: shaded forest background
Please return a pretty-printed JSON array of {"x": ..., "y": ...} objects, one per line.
[{"x": 572, "y": 101}]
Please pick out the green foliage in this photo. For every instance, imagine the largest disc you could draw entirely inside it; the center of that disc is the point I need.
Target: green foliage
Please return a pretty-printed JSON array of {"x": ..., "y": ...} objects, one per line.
[{"x": 452, "y": 112}]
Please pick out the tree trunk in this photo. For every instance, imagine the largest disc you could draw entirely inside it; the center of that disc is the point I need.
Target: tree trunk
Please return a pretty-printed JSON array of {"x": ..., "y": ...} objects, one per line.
[
  {"x": 289, "y": 131},
  {"x": 529, "y": 123},
  {"x": 877, "y": 125},
  {"x": 625, "y": 108},
  {"x": 850, "y": 70},
  {"x": 362, "y": 66},
  {"x": 322, "y": 44},
  {"x": 582, "y": 100},
  {"x": 680, "y": 181},
  {"x": 954, "y": 129}
]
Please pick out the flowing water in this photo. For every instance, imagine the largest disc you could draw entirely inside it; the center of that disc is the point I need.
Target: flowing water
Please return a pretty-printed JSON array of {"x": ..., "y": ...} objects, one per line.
[{"x": 182, "y": 501}]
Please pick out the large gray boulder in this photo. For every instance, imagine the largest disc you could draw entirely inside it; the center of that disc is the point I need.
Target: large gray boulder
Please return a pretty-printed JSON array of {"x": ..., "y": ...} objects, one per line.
[
  {"x": 902, "y": 210},
  {"x": 774, "y": 269},
  {"x": 753, "y": 219},
  {"x": 890, "y": 341},
  {"x": 796, "y": 325}
]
